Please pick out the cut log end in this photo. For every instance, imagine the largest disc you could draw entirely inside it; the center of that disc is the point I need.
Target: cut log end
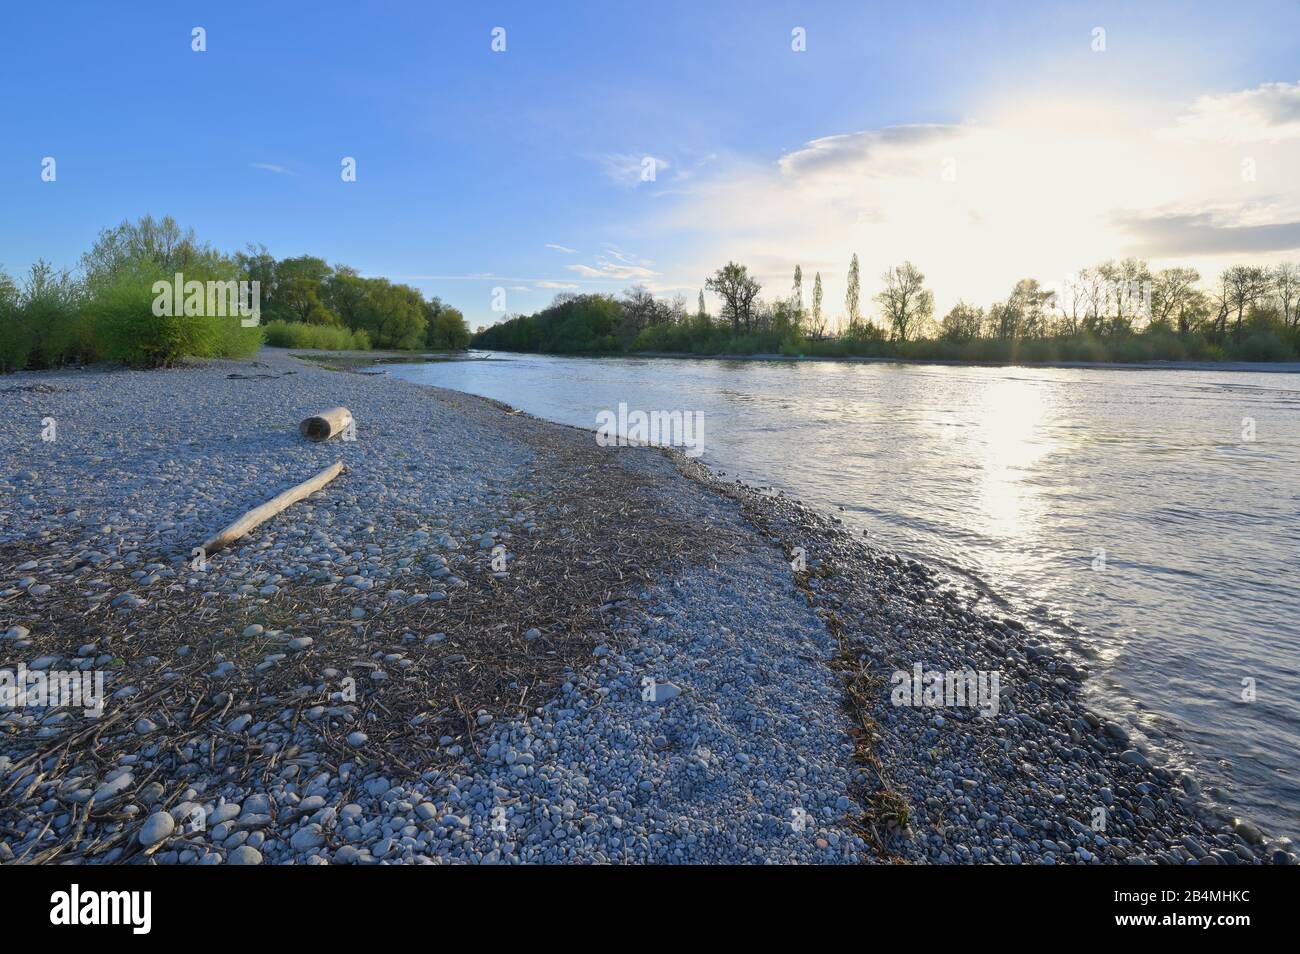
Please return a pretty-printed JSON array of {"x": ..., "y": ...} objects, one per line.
[
  {"x": 326, "y": 424},
  {"x": 316, "y": 429}
]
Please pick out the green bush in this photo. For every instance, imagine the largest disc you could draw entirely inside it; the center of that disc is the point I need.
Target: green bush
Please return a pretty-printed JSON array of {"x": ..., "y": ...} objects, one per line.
[
  {"x": 294, "y": 334},
  {"x": 1264, "y": 346},
  {"x": 233, "y": 340},
  {"x": 15, "y": 343},
  {"x": 127, "y": 330},
  {"x": 41, "y": 323}
]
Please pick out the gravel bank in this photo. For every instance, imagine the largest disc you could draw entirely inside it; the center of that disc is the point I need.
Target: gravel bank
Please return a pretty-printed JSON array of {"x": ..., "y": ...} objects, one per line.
[
  {"x": 493, "y": 641},
  {"x": 638, "y": 680},
  {"x": 1036, "y": 778}
]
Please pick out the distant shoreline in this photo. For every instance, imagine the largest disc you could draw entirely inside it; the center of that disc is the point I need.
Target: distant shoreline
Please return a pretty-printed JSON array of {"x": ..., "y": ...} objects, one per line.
[{"x": 1273, "y": 367}]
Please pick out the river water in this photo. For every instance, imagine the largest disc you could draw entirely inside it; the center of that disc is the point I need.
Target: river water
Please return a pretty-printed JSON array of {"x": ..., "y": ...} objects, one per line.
[{"x": 1149, "y": 518}]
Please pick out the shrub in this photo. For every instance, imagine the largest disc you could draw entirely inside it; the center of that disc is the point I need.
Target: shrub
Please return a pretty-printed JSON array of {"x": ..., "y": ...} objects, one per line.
[
  {"x": 1264, "y": 346},
  {"x": 233, "y": 340},
  {"x": 293, "y": 334},
  {"x": 15, "y": 343},
  {"x": 41, "y": 324},
  {"x": 127, "y": 330}
]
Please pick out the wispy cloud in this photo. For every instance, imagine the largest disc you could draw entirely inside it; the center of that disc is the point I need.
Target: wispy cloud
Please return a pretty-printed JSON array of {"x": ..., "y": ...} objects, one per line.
[
  {"x": 876, "y": 152},
  {"x": 617, "y": 266},
  {"x": 271, "y": 167},
  {"x": 1205, "y": 233},
  {"x": 559, "y": 286},
  {"x": 503, "y": 280},
  {"x": 562, "y": 248},
  {"x": 1268, "y": 113}
]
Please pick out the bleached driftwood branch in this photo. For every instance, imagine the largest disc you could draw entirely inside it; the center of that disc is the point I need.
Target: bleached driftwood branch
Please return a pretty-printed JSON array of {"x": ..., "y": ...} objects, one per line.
[{"x": 269, "y": 509}]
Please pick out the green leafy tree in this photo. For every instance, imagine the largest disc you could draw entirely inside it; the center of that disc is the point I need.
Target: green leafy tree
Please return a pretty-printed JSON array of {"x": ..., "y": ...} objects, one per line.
[
  {"x": 147, "y": 245},
  {"x": 345, "y": 295},
  {"x": 300, "y": 291},
  {"x": 445, "y": 328},
  {"x": 392, "y": 315}
]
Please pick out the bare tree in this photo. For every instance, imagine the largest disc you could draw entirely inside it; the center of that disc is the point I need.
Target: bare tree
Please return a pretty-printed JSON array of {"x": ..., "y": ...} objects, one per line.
[
  {"x": 674, "y": 311},
  {"x": 962, "y": 323},
  {"x": 1072, "y": 301},
  {"x": 1243, "y": 287},
  {"x": 905, "y": 301},
  {"x": 1286, "y": 282},
  {"x": 737, "y": 289},
  {"x": 1172, "y": 290},
  {"x": 1029, "y": 299},
  {"x": 1128, "y": 287},
  {"x": 1092, "y": 291}
]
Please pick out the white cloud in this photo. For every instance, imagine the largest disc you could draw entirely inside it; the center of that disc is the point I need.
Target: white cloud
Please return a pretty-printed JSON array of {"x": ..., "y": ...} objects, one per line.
[
  {"x": 559, "y": 286},
  {"x": 1266, "y": 114},
  {"x": 271, "y": 167},
  {"x": 562, "y": 248}
]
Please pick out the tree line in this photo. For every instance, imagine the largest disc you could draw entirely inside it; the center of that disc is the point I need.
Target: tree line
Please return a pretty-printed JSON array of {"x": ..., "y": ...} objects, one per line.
[
  {"x": 1113, "y": 311},
  {"x": 107, "y": 309},
  {"x": 309, "y": 291}
]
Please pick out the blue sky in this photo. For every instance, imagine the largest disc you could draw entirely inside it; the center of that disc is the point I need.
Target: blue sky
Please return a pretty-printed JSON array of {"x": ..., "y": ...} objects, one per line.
[{"x": 471, "y": 163}]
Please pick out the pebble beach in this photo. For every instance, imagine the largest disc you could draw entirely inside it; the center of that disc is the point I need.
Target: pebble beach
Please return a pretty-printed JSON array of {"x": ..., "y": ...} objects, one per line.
[{"x": 491, "y": 640}]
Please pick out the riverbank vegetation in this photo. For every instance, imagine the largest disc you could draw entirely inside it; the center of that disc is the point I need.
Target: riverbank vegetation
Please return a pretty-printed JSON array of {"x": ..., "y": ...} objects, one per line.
[
  {"x": 1116, "y": 311},
  {"x": 296, "y": 334},
  {"x": 108, "y": 309}
]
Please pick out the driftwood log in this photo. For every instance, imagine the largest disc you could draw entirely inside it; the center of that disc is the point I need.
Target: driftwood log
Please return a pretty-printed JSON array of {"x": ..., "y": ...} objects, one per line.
[
  {"x": 269, "y": 509},
  {"x": 326, "y": 424}
]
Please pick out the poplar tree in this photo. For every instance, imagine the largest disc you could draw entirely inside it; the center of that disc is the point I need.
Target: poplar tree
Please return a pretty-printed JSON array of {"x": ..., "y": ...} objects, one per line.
[
  {"x": 817, "y": 326},
  {"x": 851, "y": 296}
]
